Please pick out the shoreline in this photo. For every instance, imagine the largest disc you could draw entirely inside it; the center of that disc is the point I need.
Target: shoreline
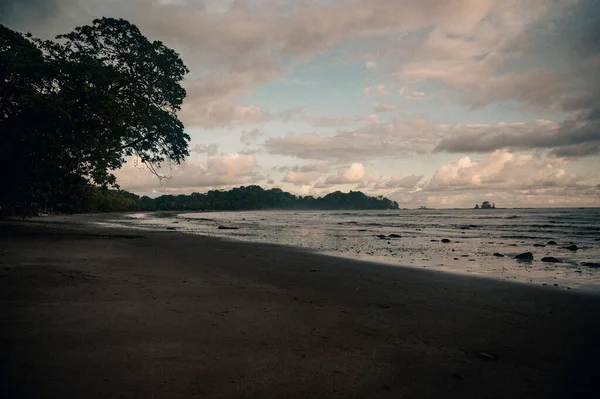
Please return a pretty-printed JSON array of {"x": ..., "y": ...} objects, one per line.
[
  {"x": 562, "y": 275},
  {"x": 98, "y": 312}
]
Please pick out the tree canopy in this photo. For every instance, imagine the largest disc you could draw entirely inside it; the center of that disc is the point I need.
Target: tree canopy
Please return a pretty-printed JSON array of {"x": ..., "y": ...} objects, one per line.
[
  {"x": 255, "y": 197},
  {"x": 75, "y": 108}
]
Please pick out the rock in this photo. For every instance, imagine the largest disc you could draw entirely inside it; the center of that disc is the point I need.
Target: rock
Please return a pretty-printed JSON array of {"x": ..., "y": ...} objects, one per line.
[
  {"x": 524, "y": 256},
  {"x": 381, "y": 236},
  {"x": 491, "y": 357},
  {"x": 498, "y": 255},
  {"x": 572, "y": 247},
  {"x": 512, "y": 245},
  {"x": 170, "y": 228},
  {"x": 538, "y": 245},
  {"x": 228, "y": 228},
  {"x": 551, "y": 243},
  {"x": 394, "y": 236},
  {"x": 550, "y": 259},
  {"x": 445, "y": 240},
  {"x": 590, "y": 264}
]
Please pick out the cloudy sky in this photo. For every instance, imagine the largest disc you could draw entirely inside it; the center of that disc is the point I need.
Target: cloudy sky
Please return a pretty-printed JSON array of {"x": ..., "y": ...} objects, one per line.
[{"x": 441, "y": 103}]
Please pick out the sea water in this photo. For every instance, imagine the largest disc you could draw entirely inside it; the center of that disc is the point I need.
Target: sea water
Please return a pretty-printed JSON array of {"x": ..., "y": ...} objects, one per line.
[{"x": 475, "y": 236}]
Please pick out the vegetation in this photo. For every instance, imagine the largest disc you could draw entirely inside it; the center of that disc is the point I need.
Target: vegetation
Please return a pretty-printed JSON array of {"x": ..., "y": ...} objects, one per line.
[
  {"x": 74, "y": 109},
  {"x": 255, "y": 197},
  {"x": 485, "y": 205},
  {"x": 96, "y": 199}
]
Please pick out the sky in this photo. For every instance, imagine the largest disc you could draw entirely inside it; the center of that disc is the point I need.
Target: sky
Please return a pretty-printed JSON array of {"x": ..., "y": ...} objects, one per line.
[{"x": 437, "y": 103}]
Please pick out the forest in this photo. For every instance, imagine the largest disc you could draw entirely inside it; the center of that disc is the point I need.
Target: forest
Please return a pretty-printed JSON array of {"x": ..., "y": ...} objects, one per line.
[{"x": 240, "y": 198}]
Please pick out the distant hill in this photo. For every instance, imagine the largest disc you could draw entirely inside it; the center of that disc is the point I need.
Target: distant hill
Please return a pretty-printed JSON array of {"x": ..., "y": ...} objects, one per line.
[
  {"x": 96, "y": 199},
  {"x": 255, "y": 197}
]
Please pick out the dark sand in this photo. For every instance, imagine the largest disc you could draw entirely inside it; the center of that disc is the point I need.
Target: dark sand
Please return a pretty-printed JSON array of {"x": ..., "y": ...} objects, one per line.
[{"x": 96, "y": 313}]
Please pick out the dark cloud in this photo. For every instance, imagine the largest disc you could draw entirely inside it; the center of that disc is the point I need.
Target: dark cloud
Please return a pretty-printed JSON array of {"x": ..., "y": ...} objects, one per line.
[
  {"x": 20, "y": 12},
  {"x": 576, "y": 137},
  {"x": 578, "y": 150}
]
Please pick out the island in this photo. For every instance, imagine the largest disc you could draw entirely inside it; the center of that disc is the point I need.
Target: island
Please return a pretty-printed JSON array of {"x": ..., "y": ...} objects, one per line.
[{"x": 485, "y": 205}]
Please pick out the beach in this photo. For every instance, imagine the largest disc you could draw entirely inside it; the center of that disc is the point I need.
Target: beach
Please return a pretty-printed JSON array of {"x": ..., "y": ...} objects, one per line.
[{"x": 93, "y": 312}]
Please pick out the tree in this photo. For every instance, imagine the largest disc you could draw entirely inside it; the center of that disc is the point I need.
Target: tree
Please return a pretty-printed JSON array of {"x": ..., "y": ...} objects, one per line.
[{"x": 76, "y": 108}]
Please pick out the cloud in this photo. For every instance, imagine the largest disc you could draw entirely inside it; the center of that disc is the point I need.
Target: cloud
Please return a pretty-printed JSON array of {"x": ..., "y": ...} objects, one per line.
[
  {"x": 315, "y": 28},
  {"x": 396, "y": 182},
  {"x": 210, "y": 149},
  {"x": 23, "y": 13},
  {"x": 301, "y": 178},
  {"x": 502, "y": 170},
  {"x": 508, "y": 179},
  {"x": 303, "y": 174},
  {"x": 380, "y": 90},
  {"x": 379, "y": 107},
  {"x": 354, "y": 174},
  {"x": 415, "y": 96},
  {"x": 249, "y": 137},
  {"x": 310, "y": 167},
  {"x": 339, "y": 121},
  {"x": 405, "y": 136},
  {"x": 416, "y": 134},
  {"x": 574, "y": 137},
  {"x": 218, "y": 171}
]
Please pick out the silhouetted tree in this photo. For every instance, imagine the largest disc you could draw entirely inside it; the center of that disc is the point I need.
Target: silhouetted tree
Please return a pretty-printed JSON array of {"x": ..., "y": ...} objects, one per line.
[{"x": 73, "y": 110}]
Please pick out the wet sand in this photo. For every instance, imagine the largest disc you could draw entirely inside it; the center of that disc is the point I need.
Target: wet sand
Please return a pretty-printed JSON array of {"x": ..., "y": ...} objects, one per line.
[{"x": 88, "y": 312}]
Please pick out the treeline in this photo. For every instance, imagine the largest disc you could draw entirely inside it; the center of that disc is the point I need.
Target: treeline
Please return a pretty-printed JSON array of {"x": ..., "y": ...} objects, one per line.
[
  {"x": 96, "y": 199},
  {"x": 255, "y": 197}
]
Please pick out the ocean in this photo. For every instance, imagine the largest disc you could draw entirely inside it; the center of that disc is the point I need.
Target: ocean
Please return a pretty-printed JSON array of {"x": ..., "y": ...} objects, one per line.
[{"x": 475, "y": 236}]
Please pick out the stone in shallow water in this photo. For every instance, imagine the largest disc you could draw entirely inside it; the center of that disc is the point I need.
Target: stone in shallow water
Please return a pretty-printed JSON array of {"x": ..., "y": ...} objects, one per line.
[
  {"x": 498, "y": 255},
  {"x": 538, "y": 245},
  {"x": 550, "y": 259},
  {"x": 524, "y": 256},
  {"x": 590, "y": 264},
  {"x": 228, "y": 228},
  {"x": 445, "y": 240},
  {"x": 572, "y": 247},
  {"x": 551, "y": 243}
]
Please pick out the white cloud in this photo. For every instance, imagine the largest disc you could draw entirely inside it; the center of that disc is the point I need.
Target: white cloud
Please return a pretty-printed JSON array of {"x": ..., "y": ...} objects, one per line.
[
  {"x": 218, "y": 171},
  {"x": 354, "y": 174},
  {"x": 502, "y": 170},
  {"x": 301, "y": 178}
]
